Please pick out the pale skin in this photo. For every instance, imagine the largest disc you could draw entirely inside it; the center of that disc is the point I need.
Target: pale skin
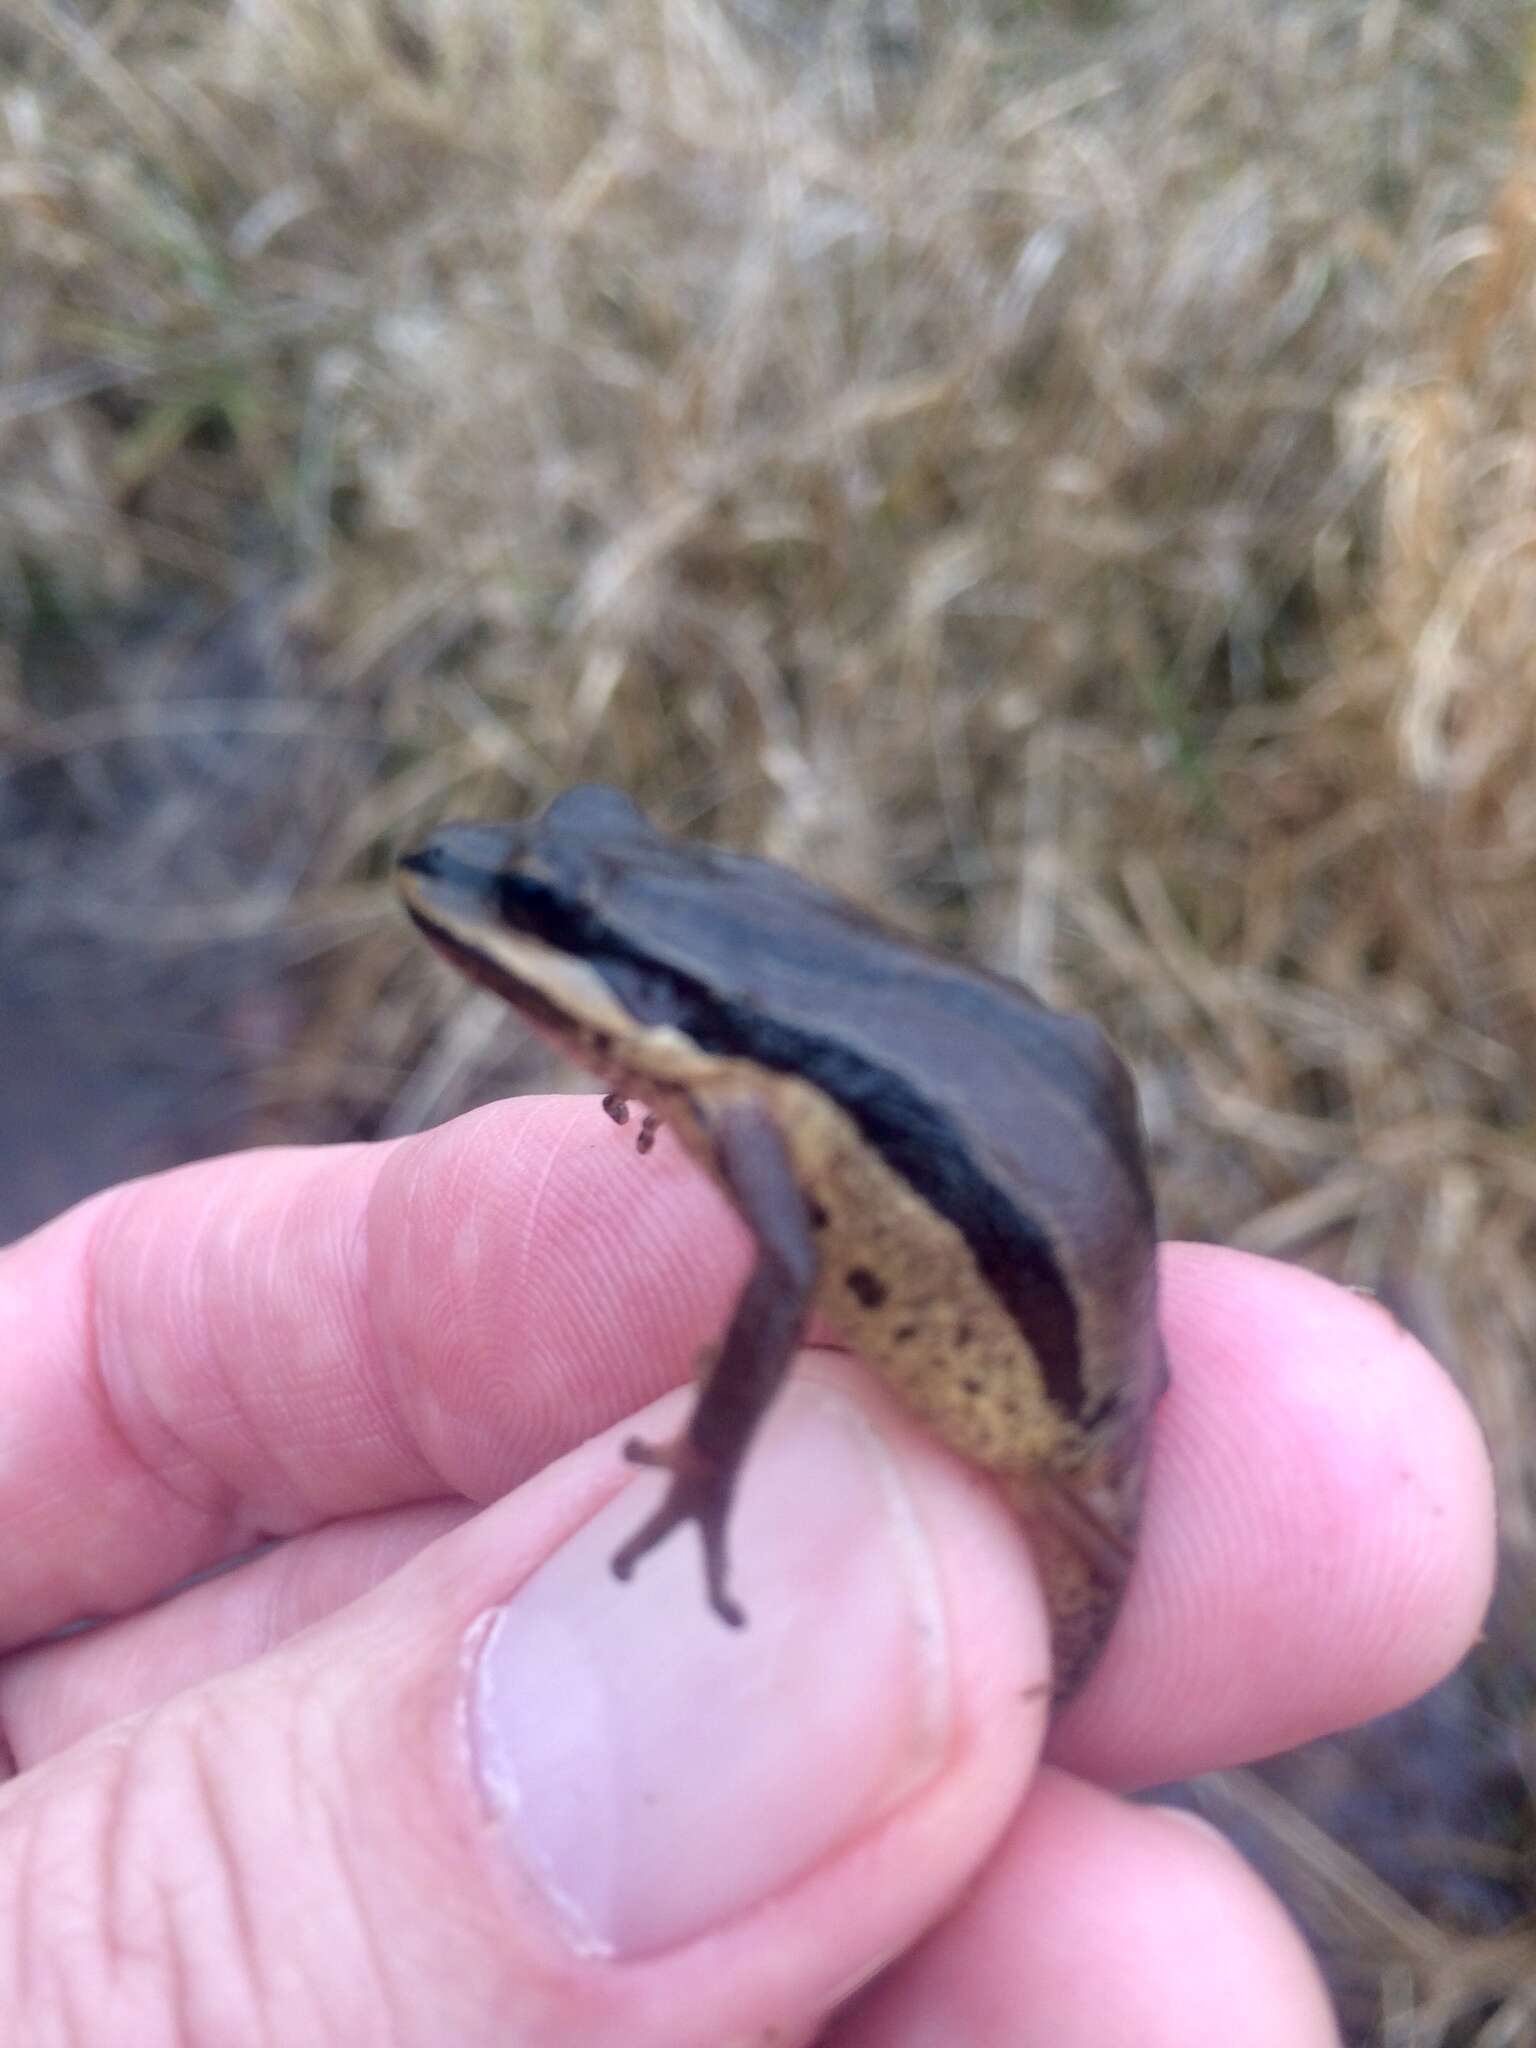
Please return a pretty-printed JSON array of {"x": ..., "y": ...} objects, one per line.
[{"x": 274, "y": 1806}]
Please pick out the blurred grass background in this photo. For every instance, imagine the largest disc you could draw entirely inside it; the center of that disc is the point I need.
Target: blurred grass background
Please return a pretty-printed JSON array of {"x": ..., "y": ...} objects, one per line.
[{"x": 1066, "y": 474}]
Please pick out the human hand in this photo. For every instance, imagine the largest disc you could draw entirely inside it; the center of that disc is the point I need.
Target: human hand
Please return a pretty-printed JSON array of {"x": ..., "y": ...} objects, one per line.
[{"x": 425, "y": 1773}]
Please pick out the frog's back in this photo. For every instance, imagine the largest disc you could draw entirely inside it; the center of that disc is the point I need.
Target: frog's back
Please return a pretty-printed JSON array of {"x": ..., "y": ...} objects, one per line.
[{"x": 770, "y": 967}]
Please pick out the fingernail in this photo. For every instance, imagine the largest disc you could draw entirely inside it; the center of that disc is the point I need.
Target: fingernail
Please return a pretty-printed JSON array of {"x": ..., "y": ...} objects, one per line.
[{"x": 657, "y": 1773}]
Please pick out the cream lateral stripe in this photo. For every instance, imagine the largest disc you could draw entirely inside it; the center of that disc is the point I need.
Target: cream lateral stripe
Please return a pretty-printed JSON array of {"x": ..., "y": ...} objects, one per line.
[{"x": 571, "y": 985}]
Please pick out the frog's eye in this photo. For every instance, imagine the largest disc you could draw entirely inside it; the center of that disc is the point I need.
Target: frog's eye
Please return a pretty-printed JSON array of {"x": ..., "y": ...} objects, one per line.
[{"x": 527, "y": 903}]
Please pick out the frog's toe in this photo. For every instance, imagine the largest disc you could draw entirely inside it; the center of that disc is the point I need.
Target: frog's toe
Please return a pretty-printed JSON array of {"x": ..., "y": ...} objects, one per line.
[{"x": 699, "y": 1492}]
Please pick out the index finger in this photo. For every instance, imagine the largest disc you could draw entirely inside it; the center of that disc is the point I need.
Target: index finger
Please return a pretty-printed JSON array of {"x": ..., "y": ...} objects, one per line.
[{"x": 253, "y": 1346}]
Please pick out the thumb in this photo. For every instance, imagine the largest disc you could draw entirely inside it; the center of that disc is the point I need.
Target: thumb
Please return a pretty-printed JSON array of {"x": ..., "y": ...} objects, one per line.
[{"x": 501, "y": 1797}]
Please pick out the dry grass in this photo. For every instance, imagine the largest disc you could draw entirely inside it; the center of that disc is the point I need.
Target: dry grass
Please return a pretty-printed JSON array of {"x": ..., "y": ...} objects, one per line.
[{"x": 1070, "y": 481}]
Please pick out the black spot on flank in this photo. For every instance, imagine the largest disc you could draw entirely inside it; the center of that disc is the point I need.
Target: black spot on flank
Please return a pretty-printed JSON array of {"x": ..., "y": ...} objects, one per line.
[
  {"x": 905, "y": 1333},
  {"x": 972, "y": 1387},
  {"x": 866, "y": 1287},
  {"x": 819, "y": 1217},
  {"x": 964, "y": 1335}
]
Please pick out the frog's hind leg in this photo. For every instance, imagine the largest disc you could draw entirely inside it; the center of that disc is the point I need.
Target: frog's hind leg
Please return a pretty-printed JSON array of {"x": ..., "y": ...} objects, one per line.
[
  {"x": 1083, "y": 1550},
  {"x": 700, "y": 1492},
  {"x": 754, "y": 1165}
]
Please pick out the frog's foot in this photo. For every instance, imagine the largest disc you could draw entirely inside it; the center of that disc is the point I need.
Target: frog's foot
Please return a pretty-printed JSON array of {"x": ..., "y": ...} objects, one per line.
[
  {"x": 617, "y": 1106},
  {"x": 700, "y": 1492}
]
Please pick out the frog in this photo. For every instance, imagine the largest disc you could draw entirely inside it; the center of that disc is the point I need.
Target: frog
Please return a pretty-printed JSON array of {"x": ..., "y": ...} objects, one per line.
[{"x": 944, "y": 1170}]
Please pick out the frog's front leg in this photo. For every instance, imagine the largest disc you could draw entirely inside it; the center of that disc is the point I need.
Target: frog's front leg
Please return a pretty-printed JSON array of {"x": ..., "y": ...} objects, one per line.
[{"x": 754, "y": 1165}]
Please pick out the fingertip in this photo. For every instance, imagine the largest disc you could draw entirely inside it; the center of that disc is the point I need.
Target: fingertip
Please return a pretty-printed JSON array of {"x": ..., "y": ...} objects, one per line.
[
  {"x": 1104, "y": 1922},
  {"x": 1318, "y": 1543}
]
